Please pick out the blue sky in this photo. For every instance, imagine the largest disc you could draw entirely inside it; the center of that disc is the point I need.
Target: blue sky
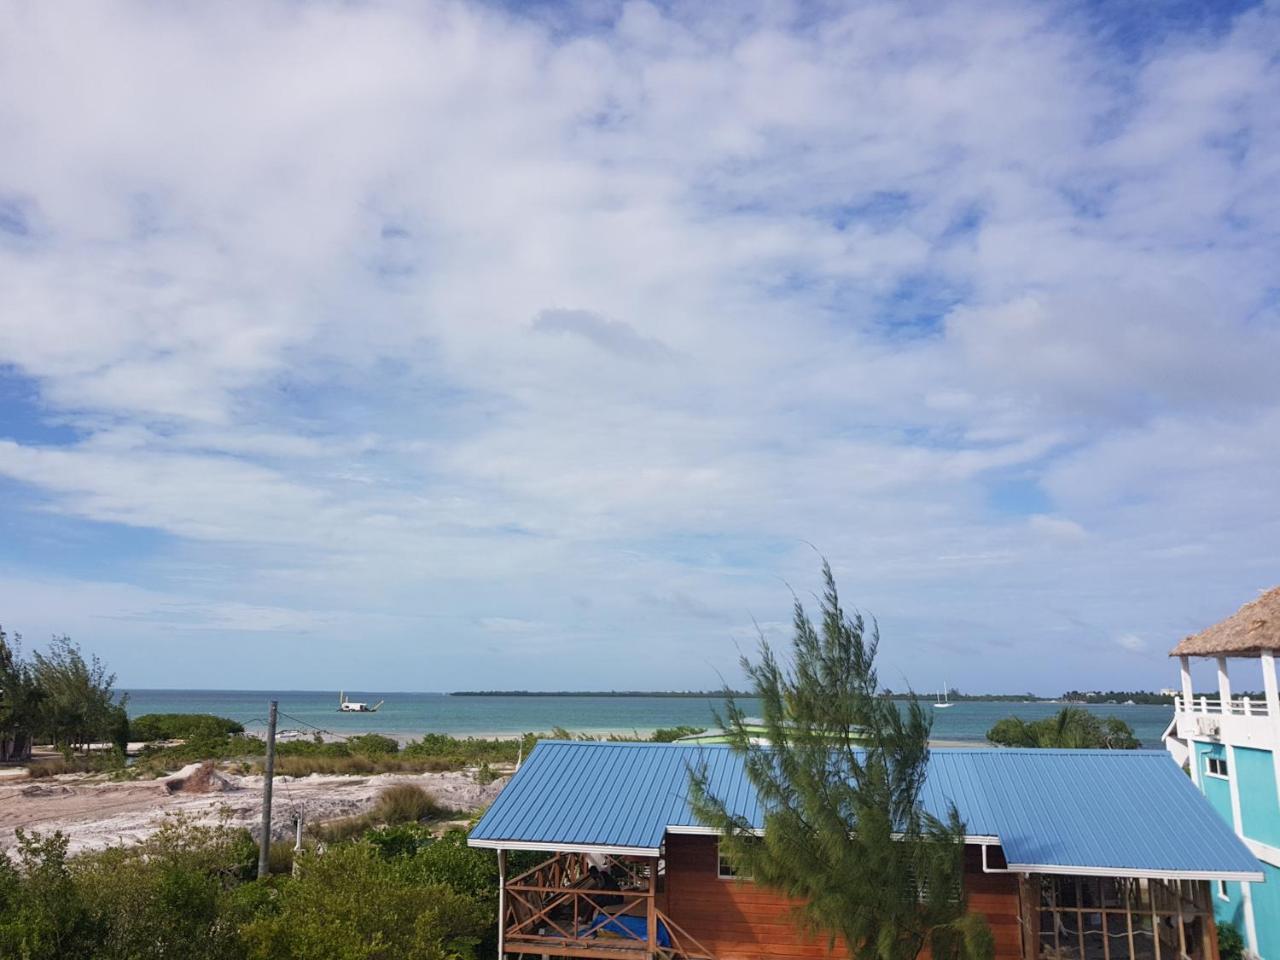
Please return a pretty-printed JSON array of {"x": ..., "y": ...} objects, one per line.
[{"x": 429, "y": 346}]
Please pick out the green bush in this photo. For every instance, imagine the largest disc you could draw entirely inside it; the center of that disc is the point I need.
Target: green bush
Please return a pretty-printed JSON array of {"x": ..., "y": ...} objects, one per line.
[
  {"x": 166, "y": 897},
  {"x": 373, "y": 745},
  {"x": 1070, "y": 727},
  {"x": 670, "y": 734},
  {"x": 352, "y": 904},
  {"x": 182, "y": 726},
  {"x": 42, "y": 913},
  {"x": 1230, "y": 943}
]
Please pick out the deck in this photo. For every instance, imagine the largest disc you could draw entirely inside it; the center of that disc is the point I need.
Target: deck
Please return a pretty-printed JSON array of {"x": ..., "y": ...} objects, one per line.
[{"x": 554, "y": 910}]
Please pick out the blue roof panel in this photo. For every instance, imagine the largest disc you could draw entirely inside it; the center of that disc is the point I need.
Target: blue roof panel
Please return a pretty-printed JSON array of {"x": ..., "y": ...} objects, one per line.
[{"x": 1129, "y": 811}]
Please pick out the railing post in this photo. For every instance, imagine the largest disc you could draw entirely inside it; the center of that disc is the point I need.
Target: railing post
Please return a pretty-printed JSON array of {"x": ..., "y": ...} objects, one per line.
[
  {"x": 502, "y": 901},
  {"x": 1246, "y": 706},
  {"x": 651, "y": 910}
]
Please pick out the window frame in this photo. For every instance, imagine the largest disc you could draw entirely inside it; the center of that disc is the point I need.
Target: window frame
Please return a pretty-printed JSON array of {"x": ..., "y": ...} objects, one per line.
[
  {"x": 1224, "y": 768},
  {"x": 724, "y": 869}
]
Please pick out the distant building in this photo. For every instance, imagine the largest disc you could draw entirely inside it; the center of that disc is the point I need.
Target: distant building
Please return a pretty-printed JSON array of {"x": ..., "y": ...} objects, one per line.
[
  {"x": 1231, "y": 747},
  {"x": 1068, "y": 855}
]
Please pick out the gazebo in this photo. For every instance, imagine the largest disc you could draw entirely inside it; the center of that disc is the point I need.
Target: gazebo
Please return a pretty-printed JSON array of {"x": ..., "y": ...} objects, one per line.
[{"x": 1253, "y": 631}]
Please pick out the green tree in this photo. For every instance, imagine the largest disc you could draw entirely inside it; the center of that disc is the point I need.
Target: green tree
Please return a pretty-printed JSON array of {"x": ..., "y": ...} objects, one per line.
[
  {"x": 839, "y": 781},
  {"x": 19, "y": 701},
  {"x": 1070, "y": 727},
  {"x": 78, "y": 703}
]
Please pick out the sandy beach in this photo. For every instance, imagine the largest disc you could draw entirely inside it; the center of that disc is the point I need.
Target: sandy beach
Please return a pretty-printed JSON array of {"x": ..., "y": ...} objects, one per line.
[{"x": 95, "y": 814}]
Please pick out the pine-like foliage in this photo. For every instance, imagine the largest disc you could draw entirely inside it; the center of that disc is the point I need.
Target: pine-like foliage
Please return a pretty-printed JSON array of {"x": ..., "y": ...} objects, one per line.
[{"x": 839, "y": 779}]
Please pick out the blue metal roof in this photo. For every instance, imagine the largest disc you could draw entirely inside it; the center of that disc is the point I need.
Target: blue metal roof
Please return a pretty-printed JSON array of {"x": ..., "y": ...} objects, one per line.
[{"x": 1130, "y": 812}]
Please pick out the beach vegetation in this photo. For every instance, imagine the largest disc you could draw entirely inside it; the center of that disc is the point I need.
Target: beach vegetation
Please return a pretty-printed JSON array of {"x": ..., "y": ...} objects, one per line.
[
  {"x": 191, "y": 891},
  {"x": 78, "y": 705},
  {"x": 840, "y": 776},
  {"x": 350, "y": 903},
  {"x": 181, "y": 726},
  {"x": 19, "y": 701},
  {"x": 671, "y": 734},
  {"x": 1070, "y": 728}
]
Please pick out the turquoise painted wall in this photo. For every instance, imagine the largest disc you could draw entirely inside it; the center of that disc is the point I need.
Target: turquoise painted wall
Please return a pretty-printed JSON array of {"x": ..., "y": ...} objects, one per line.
[
  {"x": 1216, "y": 789},
  {"x": 1259, "y": 809},
  {"x": 1266, "y": 913},
  {"x": 1230, "y": 910}
]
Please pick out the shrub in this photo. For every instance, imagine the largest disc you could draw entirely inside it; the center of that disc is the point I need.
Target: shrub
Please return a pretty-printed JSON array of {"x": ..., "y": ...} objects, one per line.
[
  {"x": 351, "y": 904},
  {"x": 109, "y": 762},
  {"x": 407, "y": 803},
  {"x": 1070, "y": 727},
  {"x": 42, "y": 915},
  {"x": 373, "y": 745},
  {"x": 670, "y": 734},
  {"x": 182, "y": 726},
  {"x": 1230, "y": 943}
]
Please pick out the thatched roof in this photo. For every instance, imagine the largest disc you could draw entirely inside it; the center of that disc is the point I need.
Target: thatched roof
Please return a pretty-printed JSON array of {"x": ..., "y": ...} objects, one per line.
[{"x": 1246, "y": 633}]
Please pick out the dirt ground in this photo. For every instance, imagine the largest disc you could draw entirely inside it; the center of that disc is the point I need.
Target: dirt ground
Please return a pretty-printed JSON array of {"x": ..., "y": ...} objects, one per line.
[{"x": 97, "y": 814}]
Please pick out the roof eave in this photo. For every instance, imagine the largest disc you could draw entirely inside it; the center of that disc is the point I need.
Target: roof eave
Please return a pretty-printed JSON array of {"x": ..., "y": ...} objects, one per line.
[{"x": 1247, "y": 876}]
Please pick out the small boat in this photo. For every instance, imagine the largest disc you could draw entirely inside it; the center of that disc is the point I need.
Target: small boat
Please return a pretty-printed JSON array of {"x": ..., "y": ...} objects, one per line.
[
  {"x": 355, "y": 706},
  {"x": 943, "y": 702}
]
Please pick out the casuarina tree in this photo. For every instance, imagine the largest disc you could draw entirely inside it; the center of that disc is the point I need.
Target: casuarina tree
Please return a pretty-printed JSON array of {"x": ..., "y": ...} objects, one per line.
[{"x": 839, "y": 773}]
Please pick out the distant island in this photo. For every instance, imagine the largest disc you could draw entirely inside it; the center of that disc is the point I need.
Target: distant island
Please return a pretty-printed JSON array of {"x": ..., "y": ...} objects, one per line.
[
  {"x": 692, "y": 694},
  {"x": 1071, "y": 696}
]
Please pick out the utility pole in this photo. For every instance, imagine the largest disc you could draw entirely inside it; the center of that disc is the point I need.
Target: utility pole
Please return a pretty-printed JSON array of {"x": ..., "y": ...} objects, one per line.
[{"x": 264, "y": 844}]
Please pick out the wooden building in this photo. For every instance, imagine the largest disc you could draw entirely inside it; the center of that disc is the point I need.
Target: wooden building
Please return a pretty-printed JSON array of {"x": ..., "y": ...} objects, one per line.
[{"x": 1069, "y": 855}]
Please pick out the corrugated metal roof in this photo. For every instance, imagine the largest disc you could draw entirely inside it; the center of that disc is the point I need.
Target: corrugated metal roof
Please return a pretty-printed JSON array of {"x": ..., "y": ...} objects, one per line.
[{"x": 1092, "y": 810}]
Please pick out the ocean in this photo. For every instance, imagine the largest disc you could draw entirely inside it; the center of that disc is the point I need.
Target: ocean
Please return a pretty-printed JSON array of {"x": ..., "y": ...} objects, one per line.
[{"x": 413, "y": 714}]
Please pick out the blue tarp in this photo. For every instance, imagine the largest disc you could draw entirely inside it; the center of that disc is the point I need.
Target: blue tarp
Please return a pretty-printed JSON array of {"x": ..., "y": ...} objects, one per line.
[{"x": 628, "y": 927}]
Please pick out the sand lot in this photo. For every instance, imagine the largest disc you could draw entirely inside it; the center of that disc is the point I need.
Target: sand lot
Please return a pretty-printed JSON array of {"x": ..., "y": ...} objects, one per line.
[{"x": 97, "y": 814}]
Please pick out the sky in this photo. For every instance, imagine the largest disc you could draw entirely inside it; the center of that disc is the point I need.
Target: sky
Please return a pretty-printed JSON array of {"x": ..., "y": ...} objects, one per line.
[{"x": 427, "y": 346}]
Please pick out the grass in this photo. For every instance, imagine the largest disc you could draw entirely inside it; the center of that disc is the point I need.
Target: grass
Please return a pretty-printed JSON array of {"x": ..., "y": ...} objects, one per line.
[
  {"x": 398, "y": 804},
  {"x": 93, "y": 763},
  {"x": 408, "y": 803}
]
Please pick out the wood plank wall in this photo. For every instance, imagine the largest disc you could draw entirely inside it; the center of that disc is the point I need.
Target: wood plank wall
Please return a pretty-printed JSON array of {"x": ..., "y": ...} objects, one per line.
[{"x": 737, "y": 920}]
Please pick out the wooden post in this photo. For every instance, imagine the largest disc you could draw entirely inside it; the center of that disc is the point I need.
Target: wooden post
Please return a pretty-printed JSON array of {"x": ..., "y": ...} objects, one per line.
[
  {"x": 1224, "y": 685},
  {"x": 652, "y": 909},
  {"x": 1188, "y": 698},
  {"x": 502, "y": 901},
  {"x": 264, "y": 844}
]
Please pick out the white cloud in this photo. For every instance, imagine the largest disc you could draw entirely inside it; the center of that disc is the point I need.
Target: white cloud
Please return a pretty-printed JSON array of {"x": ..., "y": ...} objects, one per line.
[
  {"x": 1132, "y": 642},
  {"x": 1057, "y": 528},
  {"x": 490, "y": 306}
]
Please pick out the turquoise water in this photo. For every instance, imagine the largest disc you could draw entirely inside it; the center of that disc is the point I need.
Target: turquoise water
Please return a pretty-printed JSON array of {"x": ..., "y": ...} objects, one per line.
[{"x": 413, "y": 714}]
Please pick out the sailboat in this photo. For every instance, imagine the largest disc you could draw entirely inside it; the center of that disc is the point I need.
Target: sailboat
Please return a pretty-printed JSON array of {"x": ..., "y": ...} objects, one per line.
[{"x": 943, "y": 702}]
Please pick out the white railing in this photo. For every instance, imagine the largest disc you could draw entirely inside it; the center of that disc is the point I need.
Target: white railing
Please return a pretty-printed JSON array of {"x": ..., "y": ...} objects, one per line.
[{"x": 1234, "y": 707}]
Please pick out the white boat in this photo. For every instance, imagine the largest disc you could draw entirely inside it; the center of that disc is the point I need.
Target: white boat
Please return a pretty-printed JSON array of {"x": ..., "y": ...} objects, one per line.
[
  {"x": 355, "y": 706},
  {"x": 943, "y": 702}
]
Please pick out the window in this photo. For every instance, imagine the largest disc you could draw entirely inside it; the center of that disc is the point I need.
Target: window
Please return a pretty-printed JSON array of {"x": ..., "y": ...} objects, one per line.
[
  {"x": 1104, "y": 918},
  {"x": 1222, "y": 890},
  {"x": 1215, "y": 766},
  {"x": 726, "y": 870}
]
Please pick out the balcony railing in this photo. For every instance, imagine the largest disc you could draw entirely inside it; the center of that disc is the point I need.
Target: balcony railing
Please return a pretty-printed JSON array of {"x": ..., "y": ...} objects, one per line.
[{"x": 1216, "y": 706}]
